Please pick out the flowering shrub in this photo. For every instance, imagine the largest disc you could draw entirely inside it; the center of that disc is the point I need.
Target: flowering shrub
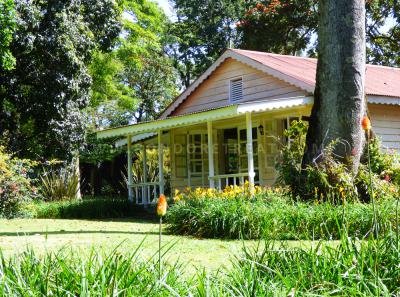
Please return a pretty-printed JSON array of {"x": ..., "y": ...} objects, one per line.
[
  {"x": 230, "y": 192},
  {"x": 16, "y": 186},
  {"x": 271, "y": 215}
]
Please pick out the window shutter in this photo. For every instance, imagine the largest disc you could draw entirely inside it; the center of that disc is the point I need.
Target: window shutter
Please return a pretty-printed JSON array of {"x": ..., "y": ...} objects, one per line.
[{"x": 236, "y": 90}]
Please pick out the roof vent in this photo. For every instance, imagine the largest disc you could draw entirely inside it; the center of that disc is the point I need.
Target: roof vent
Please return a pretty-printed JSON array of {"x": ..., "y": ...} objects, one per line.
[{"x": 236, "y": 90}]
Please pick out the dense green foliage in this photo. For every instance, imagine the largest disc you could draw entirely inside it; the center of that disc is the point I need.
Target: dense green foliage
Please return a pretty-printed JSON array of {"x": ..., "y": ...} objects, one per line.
[
  {"x": 383, "y": 32},
  {"x": 7, "y": 23},
  {"x": 330, "y": 179},
  {"x": 135, "y": 81},
  {"x": 88, "y": 208},
  {"x": 274, "y": 217},
  {"x": 16, "y": 186},
  {"x": 350, "y": 268},
  {"x": 41, "y": 99}
]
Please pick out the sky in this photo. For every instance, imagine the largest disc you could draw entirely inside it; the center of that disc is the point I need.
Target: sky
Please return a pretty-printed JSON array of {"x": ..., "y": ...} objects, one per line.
[{"x": 165, "y": 6}]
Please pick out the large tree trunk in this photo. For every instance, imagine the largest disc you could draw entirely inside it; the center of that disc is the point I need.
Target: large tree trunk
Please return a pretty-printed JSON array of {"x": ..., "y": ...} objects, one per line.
[{"x": 339, "y": 99}]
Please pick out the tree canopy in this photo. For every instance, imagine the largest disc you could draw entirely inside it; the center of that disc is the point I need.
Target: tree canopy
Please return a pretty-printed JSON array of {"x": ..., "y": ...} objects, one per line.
[
  {"x": 290, "y": 26},
  {"x": 284, "y": 27},
  {"x": 383, "y": 32},
  {"x": 7, "y": 24},
  {"x": 42, "y": 98},
  {"x": 202, "y": 31},
  {"x": 135, "y": 81}
]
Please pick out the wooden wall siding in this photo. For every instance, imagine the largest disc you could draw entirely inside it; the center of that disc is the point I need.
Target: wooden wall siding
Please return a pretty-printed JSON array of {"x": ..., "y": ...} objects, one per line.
[
  {"x": 214, "y": 92},
  {"x": 386, "y": 124}
]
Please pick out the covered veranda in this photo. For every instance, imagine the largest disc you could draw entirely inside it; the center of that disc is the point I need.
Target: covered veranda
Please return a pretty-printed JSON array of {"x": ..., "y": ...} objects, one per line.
[{"x": 156, "y": 132}]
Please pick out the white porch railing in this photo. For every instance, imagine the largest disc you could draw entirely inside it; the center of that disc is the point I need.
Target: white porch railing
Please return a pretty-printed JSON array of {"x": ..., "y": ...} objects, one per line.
[
  {"x": 237, "y": 179},
  {"x": 146, "y": 193}
]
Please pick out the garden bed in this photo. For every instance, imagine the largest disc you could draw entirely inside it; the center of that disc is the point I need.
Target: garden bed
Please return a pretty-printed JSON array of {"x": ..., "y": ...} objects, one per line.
[{"x": 275, "y": 216}]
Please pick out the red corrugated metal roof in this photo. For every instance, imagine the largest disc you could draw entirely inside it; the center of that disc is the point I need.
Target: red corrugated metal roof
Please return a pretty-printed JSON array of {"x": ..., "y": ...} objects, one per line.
[{"x": 380, "y": 80}]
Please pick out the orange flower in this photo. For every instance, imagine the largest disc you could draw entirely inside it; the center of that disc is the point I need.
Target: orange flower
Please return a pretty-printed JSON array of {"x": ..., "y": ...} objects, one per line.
[
  {"x": 162, "y": 205},
  {"x": 366, "y": 124}
]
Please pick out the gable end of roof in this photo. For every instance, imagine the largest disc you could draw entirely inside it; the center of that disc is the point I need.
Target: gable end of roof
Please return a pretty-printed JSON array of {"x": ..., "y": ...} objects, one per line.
[
  {"x": 297, "y": 71},
  {"x": 233, "y": 54}
]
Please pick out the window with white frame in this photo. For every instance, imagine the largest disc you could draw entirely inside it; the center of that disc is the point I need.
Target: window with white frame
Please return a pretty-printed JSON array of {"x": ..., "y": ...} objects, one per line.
[
  {"x": 198, "y": 157},
  {"x": 236, "y": 90}
]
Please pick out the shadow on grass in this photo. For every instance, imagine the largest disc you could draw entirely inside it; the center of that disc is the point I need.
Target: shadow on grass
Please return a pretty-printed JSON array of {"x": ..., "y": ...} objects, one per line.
[
  {"x": 66, "y": 232},
  {"x": 137, "y": 220}
]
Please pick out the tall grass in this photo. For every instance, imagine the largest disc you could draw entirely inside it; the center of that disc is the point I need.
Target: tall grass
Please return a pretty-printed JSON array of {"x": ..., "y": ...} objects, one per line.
[
  {"x": 352, "y": 268},
  {"x": 66, "y": 274},
  {"x": 348, "y": 268},
  {"x": 275, "y": 217}
]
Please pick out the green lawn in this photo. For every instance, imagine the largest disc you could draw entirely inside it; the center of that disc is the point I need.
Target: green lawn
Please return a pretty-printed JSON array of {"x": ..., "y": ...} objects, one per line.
[{"x": 81, "y": 235}]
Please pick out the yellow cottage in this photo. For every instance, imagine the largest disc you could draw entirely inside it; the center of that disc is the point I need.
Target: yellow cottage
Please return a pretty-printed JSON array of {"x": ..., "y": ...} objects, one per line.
[{"x": 228, "y": 125}]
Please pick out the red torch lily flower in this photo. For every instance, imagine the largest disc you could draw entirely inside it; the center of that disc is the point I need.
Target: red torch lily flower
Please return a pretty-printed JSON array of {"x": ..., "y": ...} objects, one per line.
[
  {"x": 162, "y": 205},
  {"x": 366, "y": 123},
  {"x": 161, "y": 211}
]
